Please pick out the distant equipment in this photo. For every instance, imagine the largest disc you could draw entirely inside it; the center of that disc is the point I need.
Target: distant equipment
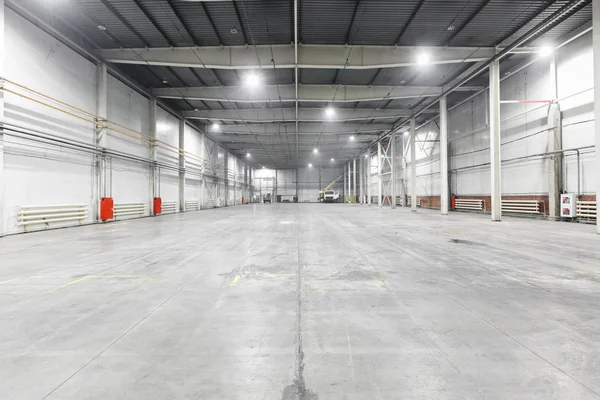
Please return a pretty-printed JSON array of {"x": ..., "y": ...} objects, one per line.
[
  {"x": 267, "y": 198},
  {"x": 330, "y": 196},
  {"x": 568, "y": 205}
]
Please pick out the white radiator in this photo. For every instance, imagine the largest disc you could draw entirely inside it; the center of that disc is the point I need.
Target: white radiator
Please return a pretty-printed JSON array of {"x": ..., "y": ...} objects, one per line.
[
  {"x": 169, "y": 207},
  {"x": 469, "y": 204},
  {"x": 129, "y": 209},
  {"x": 35, "y": 215},
  {"x": 521, "y": 206},
  {"x": 586, "y": 209},
  {"x": 192, "y": 205}
]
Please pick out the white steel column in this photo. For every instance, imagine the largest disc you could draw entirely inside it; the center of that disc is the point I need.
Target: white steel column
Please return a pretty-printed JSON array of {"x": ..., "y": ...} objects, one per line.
[
  {"x": 349, "y": 183},
  {"x": 496, "y": 186},
  {"x": 393, "y": 170},
  {"x": 234, "y": 181},
  {"x": 181, "y": 164},
  {"x": 413, "y": 165},
  {"x": 444, "y": 195},
  {"x": 2, "y": 228},
  {"x": 153, "y": 153},
  {"x": 379, "y": 177},
  {"x": 354, "y": 180},
  {"x": 345, "y": 194},
  {"x": 369, "y": 168},
  {"x": 101, "y": 139},
  {"x": 596, "y": 45},
  {"x": 361, "y": 172}
]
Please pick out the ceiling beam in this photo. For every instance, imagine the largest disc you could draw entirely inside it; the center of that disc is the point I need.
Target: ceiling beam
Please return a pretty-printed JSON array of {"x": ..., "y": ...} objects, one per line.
[
  {"x": 305, "y": 128},
  {"x": 467, "y": 21},
  {"x": 276, "y": 115},
  {"x": 306, "y": 93},
  {"x": 309, "y": 56}
]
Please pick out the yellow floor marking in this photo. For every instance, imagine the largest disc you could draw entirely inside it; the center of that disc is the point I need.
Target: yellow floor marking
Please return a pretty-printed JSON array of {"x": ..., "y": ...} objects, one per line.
[
  {"x": 234, "y": 281},
  {"x": 3, "y": 282},
  {"x": 382, "y": 284},
  {"x": 593, "y": 271}
]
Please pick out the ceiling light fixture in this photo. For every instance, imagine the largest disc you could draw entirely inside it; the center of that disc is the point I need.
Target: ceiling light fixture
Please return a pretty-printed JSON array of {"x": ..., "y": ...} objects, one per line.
[
  {"x": 216, "y": 126},
  {"x": 545, "y": 51},
  {"x": 220, "y": 155},
  {"x": 351, "y": 137},
  {"x": 263, "y": 167},
  {"x": 248, "y": 155},
  {"x": 366, "y": 156},
  {"x": 102, "y": 27},
  {"x": 315, "y": 151},
  {"x": 165, "y": 81},
  {"x": 252, "y": 80},
  {"x": 233, "y": 31},
  {"x": 333, "y": 159},
  {"x": 451, "y": 27},
  {"x": 423, "y": 59},
  {"x": 309, "y": 165},
  {"x": 330, "y": 112}
]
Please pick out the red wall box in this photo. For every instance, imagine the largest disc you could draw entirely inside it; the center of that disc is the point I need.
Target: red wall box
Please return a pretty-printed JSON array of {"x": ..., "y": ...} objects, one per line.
[
  {"x": 157, "y": 205},
  {"x": 107, "y": 208}
]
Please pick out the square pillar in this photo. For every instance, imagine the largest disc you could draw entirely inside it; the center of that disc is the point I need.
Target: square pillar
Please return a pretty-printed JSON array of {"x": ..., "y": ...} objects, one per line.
[
  {"x": 101, "y": 182},
  {"x": 353, "y": 200},
  {"x": 369, "y": 168},
  {"x": 154, "y": 186},
  {"x": 393, "y": 169},
  {"x": 361, "y": 172},
  {"x": 181, "y": 145},
  {"x": 413, "y": 165},
  {"x": 496, "y": 186},
  {"x": 596, "y": 47},
  {"x": 379, "y": 177},
  {"x": 444, "y": 195},
  {"x": 345, "y": 194},
  {"x": 2, "y": 224}
]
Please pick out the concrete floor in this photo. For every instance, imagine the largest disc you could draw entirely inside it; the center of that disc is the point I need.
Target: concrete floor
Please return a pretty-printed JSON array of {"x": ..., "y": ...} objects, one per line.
[{"x": 302, "y": 301}]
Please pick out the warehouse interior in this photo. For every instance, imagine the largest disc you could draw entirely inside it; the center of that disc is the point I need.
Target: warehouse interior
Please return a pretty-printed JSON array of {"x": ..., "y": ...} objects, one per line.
[{"x": 164, "y": 166}]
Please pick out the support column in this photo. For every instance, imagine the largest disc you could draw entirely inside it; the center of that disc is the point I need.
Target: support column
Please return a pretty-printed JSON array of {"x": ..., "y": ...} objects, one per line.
[
  {"x": 234, "y": 181},
  {"x": 2, "y": 224},
  {"x": 154, "y": 189},
  {"x": 379, "y": 177},
  {"x": 596, "y": 46},
  {"x": 496, "y": 186},
  {"x": 349, "y": 184},
  {"x": 354, "y": 181},
  {"x": 225, "y": 176},
  {"x": 444, "y": 195},
  {"x": 555, "y": 162},
  {"x": 101, "y": 188},
  {"x": 181, "y": 146},
  {"x": 393, "y": 170},
  {"x": 345, "y": 194},
  {"x": 369, "y": 168},
  {"x": 413, "y": 165},
  {"x": 361, "y": 172}
]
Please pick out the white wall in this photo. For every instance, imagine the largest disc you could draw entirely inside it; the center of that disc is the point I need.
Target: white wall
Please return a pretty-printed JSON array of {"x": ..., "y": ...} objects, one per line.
[
  {"x": 43, "y": 174},
  {"x": 523, "y": 131},
  {"x": 34, "y": 173}
]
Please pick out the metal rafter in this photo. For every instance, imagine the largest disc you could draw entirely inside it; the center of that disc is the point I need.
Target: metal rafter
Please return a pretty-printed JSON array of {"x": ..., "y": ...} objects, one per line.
[
  {"x": 352, "y": 22},
  {"x": 467, "y": 21},
  {"x": 182, "y": 22},
  {"x": 125, "y": 22},
  {"x": 410, "y": 20},
  {"x": 237, "y": 14},
  {"x": 283, "y": 56},
  {"x": 153, "y": 22},
  {"x": 306, "y": 93},
  {"x": 212, "y": 23}
]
